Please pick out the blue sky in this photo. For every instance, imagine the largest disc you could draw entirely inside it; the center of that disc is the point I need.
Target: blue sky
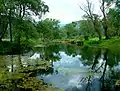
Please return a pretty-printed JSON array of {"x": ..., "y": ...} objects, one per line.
[{"x": 67, "y": 10}]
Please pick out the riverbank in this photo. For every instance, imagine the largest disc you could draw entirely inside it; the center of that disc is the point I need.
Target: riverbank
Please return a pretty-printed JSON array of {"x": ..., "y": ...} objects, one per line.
[{"x": 112, "y": 43}]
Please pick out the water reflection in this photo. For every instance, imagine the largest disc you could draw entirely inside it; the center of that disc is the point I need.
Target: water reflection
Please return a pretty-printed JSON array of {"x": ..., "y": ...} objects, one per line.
[
  {"x": 80, "y": 69},
  {"x": 73, "y": 68},
  {"x": 15, "y": 69}
]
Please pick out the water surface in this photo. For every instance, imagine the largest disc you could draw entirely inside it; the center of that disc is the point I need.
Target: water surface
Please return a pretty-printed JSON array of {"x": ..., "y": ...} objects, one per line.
[
  {"x": 73, "y": 68},
  {"x": 81, "y": 69}
]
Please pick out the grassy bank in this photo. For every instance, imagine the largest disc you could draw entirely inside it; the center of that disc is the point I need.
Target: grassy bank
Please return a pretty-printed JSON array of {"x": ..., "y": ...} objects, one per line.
[{"x": 112, "y": 43}]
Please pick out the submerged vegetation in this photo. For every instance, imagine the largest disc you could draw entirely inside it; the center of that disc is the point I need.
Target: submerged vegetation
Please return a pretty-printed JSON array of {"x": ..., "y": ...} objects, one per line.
[{"x": 23, "y": 77}]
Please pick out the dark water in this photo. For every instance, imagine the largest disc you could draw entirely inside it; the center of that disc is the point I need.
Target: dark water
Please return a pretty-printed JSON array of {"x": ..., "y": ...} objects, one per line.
[{"x": 74, "y": 68}]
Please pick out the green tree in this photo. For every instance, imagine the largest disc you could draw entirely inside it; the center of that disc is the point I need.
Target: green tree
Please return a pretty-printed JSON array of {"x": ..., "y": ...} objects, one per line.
[
  {"x": 86, "y": 29},
  {"x": 114, "y": 18},
  {"x": 88, "y": 9},
  {"x": 3, "y": 19},
  {"x": 71, "y": 30},
  {"x": 105, "y": 8},
  {"x": 48, "y": 29},
  {"x": 27, "y": 33},
  {"x": 17, "y": 13}
]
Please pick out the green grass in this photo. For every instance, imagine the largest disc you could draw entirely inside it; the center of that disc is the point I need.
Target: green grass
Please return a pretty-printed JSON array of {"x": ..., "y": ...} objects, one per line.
[
  {"x": 112, "y": 43},
  {"x": 67, "y": 40}
]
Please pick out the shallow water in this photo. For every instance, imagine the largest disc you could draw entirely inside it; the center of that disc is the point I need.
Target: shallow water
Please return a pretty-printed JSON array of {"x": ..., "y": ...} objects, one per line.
[{"x": 74, "y": 68}]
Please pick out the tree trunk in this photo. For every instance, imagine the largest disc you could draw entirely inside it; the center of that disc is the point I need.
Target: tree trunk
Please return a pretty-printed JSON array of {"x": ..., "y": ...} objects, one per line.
[
  {"x": 97, "y": 31},
  {"x": 105, "y": 26},
  {"x": 105, "y": 29},
  {"x": 99, "y": 35},
  {"x": 19, "y": 44},
  {"x": 106, "y": 33},
  {"x": 4, "y": 27},
  {"x": 10, "y": 26},
  {"x": 19, "y": 33}
]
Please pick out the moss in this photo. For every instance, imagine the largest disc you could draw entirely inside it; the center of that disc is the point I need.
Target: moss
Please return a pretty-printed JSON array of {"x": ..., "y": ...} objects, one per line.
[
  {"x": 32, "y": 83},
  {"x": 8, "y": 78},
  {"x": 24, "y": 78}
]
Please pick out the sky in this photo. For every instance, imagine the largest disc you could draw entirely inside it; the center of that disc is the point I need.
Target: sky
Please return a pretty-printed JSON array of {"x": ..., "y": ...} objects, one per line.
[{"x": 67, "y": 11}]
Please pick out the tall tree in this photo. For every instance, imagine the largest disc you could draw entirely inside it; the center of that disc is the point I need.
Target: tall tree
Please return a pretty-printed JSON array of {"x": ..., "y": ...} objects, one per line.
[
  {"x": 104, "y": 8},
  {"x": 71, "y": 30},
  {"x": 3, "y": 19},
  {"x": 26, "y": 9},
  {"x": 88, "y": 9},
  {"x": 114, "y": 17},
  {"x": 86, "y": 29},
  {"x": 18, "y": 10}
]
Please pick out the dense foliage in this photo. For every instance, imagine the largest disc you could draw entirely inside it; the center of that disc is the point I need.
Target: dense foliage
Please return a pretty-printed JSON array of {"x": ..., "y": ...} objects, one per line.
[{"x": 17, "y": 22}]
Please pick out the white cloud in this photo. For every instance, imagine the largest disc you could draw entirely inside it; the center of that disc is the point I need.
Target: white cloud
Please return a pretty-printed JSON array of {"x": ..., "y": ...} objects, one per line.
[{"x": 66, "y": 10}]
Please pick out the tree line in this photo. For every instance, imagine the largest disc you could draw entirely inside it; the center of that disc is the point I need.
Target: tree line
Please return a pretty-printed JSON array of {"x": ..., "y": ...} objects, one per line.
[
  {"x": 108, "y": 23},
  {"x": 17, "y": 22}
]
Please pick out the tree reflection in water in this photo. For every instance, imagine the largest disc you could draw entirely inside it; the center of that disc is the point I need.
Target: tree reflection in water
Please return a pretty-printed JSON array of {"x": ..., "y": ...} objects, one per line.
[
  {"x": 110, "y": 60},
  {"x": 101, "y": 61},
  {"x": 103, "y": 64}
]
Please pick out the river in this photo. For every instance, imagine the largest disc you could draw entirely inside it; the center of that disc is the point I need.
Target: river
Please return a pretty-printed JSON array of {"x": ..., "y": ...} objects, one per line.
[{"x": 75, "y": 68}]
